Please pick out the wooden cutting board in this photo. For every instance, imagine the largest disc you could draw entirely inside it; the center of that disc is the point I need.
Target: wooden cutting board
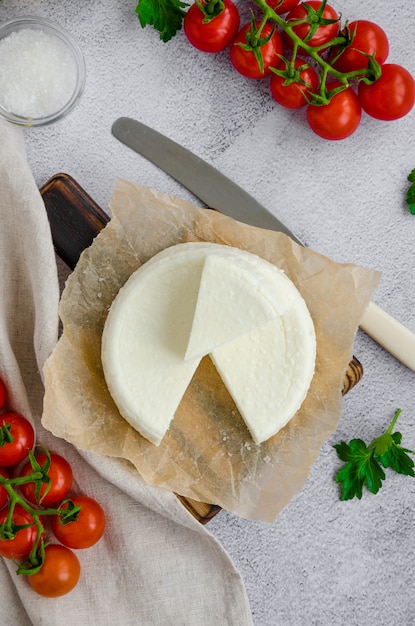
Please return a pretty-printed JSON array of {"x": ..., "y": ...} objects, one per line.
[{"x": 75, "y": 219}]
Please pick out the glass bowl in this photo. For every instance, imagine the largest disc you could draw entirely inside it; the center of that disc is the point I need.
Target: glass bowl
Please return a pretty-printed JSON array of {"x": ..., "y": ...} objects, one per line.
[{"x": 42, "y": 74}]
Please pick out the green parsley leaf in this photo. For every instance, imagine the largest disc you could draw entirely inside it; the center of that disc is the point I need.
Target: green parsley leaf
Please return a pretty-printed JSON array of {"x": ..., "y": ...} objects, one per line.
[
  {"x": 364, "y": 464},
  {"x": 361, "y": 469},
  {"x": 397, "y": 458},
  {"x": 410, "y": 194},
  {"x": 383, "y": 443},
  {"x": 351, "y": 483},
  {"x": 166, "y": 16}
]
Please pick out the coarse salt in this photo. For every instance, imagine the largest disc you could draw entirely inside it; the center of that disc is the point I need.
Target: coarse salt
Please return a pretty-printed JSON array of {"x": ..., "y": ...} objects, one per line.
[{"x": 37, "y": 74}]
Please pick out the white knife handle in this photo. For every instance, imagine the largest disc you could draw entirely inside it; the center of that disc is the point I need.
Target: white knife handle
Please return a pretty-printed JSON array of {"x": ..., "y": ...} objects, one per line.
[{"x": 390, "y": 334}]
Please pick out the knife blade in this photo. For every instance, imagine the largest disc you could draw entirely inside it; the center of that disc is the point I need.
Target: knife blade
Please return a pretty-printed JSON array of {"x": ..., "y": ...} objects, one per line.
[
  {"x": 208, "y": 184},
  {"x": 218, "y": 191}
]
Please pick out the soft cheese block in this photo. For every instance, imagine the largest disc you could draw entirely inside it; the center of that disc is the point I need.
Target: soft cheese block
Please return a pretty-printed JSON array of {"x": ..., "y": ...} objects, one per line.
[{"x": 198, "y": 299}]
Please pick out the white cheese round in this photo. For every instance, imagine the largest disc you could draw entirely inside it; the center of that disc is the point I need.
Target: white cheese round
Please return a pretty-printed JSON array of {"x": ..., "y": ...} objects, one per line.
[{"x": 195, "y": 299}]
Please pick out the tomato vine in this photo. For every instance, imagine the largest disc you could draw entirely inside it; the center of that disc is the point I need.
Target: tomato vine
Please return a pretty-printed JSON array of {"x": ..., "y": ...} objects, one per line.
[
  {"x": 35, "y": 488},
  {"x": 345, "y": 56},
  {"x": 314, "y": 17}
]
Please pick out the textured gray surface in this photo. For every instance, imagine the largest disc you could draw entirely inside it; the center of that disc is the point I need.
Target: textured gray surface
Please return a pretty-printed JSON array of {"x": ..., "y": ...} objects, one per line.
[{"x": 322, "y": 562}]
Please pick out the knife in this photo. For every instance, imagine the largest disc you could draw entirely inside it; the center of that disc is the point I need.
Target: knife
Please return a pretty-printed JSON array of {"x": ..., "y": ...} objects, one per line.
[{"x": 218, "y": 191}]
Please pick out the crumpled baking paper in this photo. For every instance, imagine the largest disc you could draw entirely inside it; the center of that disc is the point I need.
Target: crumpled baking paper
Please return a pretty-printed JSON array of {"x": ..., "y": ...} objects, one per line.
[{"x": 208, "y": 454}]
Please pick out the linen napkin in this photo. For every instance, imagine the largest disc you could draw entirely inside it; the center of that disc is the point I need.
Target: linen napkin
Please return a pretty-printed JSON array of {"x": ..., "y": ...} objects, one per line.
[{"x": 155, "y": 564}]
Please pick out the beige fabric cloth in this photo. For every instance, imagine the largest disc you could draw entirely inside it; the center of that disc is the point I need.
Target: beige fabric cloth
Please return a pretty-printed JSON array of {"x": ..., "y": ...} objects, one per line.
[{"x": 155, "y": 563}]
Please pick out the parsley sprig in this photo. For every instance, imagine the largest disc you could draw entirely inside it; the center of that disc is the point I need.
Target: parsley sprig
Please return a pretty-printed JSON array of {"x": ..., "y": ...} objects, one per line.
[
  {"x": 166, "y": 16},
  {"x": 364, "y": 465},
  {"x": 410, "y": 194}
]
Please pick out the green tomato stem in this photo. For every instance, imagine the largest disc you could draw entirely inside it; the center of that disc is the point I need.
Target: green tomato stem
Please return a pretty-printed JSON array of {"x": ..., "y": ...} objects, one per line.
[
  {"x": 211, "y": 8},
  {"x": 5, "y": 435},
  {"x": 291, "y": 65},
  {"x": 262, "y": 24},
  {"x": 20, "y": 480}
]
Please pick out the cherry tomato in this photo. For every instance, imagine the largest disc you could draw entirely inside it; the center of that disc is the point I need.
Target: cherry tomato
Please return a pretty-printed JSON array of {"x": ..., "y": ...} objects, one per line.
[
  {"x": 392, "y": 96},
  {"x": 60, "y": 474},
  {"x": 16, "y": 438},
  {"x": 339, "y": 118},
  {"x": 4, "y": 496},
  {"x": 245, "y": 62},
  {"x": 24, "y": 540},
  {"x": 282, "y": 6},
  {"x": 369, "y": 39},
  {"x": 213, "y": 35},
  {"x": 323, "y": 34},
  {"x": 293, "y": 95},
  {"x": 59, "y": 573},
  {"x": 86, "y": 530},
  {"x": 3, "y": 394}
]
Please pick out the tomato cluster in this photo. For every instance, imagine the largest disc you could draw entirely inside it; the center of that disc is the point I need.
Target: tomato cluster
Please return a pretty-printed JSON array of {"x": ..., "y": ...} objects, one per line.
[
  {"x": 335, "y": 71},
  {"x": 36, "y": 504}
]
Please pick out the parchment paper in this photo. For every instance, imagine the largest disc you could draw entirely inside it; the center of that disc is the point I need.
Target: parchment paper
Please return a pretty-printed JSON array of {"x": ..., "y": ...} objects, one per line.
[{"x": 207, "y": 454}]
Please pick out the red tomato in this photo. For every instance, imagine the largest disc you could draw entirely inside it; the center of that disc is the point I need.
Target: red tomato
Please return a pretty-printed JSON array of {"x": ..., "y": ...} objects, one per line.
[
  {"x": 86, "y": 530},
  {"x": 369, "y": 39},
  {"x": 16, "y": 438},
  {"x": 211, "y": 34},
  {"x": 4, "y": 496},
  {"x": 59, "y": 573},
  {"x": 60, "y": 474},
  {"x": 282, "y": 6},
  {"x": 392, "y": 96},
  {"x": 339, "y": 118},
  {"x": 323, "y": 33},
  {"x": 245, "y": 62},
  {"x": 293, "y": 95},
  {"x": 24, "y": 540},
  {"x": 3, "y": 395}
]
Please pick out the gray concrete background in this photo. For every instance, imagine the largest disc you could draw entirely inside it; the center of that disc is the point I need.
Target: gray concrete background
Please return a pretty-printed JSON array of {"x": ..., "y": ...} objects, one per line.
[{"x": 322, "y": 562}]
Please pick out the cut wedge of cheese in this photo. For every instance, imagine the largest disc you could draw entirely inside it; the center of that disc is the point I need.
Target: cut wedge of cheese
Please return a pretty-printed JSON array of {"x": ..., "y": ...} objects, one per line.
[
  {"x": 201, "y": 298},
  {"x": 231, "y": 302}
]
